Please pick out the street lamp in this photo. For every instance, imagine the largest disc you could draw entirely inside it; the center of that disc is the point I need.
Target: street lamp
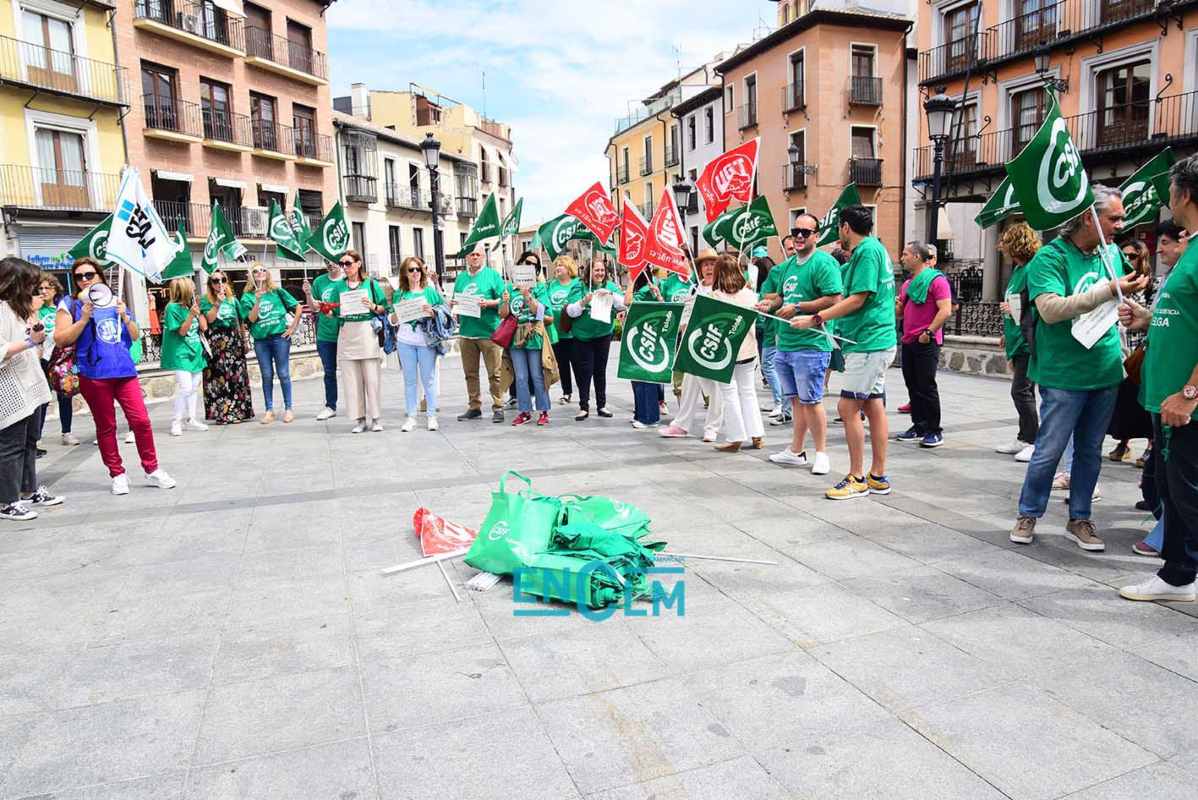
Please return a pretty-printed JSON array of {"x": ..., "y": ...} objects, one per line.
[
  {"x": 939, "y": 108},
  {"x": 1059, "y": 85},
  {"x": 431, "y": 149},
  {"x": 682, "y": 195}
]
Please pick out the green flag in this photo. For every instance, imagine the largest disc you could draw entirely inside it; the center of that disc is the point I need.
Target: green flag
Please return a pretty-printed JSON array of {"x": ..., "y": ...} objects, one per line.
[
  {"x": 511, "y": 225},
  {"x": 536, "y": 244},
  {"x": 221, "y": 241},
  {"x": 829, "y": 226},
  {"x": 1001, "y": 205},
  {"x": 181, "y": 265},
  {"x": 331, "y": 238},
  {"x": 754, "y": 223},
  {"x": 716, "y": 231},
  {"x": 299, "y": 223},
  {"x": 649, "y": 342},
  {"x": 1147, "y": 189},
  {"x": 93, "y": 244},
  {"x": 287, "y": 245},
  {"x": 1050, "y": 183},
  {"x": 712, "y": 339},
  {"x": 486, "y": 226},
  {"x": 556, "y": 232}
]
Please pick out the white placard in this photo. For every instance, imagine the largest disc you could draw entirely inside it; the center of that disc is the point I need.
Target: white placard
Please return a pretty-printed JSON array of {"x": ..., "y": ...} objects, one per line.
[
  {"x": 1093, "y": 325},
  {"x": 524, "y": 276},
  {"x": 468, "y": 305},
  {"x": 601, "y": 303},
  {"x": 1015, "y": 303},
  {"x": 687, "y": 309},
  {"x": 410, "y": 310},
  {"x": 353, "y": 302}
]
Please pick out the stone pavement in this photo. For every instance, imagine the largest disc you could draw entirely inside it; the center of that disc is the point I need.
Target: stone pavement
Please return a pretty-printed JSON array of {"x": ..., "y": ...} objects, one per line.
[{"x": 233, "y": 638}]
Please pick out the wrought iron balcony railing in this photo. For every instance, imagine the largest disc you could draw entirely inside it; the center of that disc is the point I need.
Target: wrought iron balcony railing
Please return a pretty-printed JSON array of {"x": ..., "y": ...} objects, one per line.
[
  {"x": 60, "y": 72},
  {"x": 23, "y": 186},
  {"x": 865, "y": 90},
  {"x": 172, "y": 115},
  {"x": 747, "y": 116},
  {"x": 195, "y": 17},
  {"x": 262, "y": 43},
  {"x": 865, "y": 171},
  {"x": 793, "y": 97}
]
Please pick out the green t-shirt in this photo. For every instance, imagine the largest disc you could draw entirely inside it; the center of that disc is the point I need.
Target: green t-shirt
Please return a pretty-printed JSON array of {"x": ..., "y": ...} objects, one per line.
[
  {"x": 523, "y": 313},
  {"x": 272, "y": 312},
  {"x": 558, "y": 295},
  {"x": 872, "y": 328},
  {"x": 428, "y": 294},
  {"x": 586, "y": 329},
  {"x": 1059, "y": 361},
  {"x": 486, "y": 284},
  {"x": 181, "y": 351},
  {"x": 1172, "y": 349},
  {"x": 645, "y": 293},
  {"x": 676, "y": 289},
  {"x": 374, "y": 292},
  {"x": 46, "y": 316},
  {"x": 229, "y": 316},
  {"x": 322, "y": 291},
  {"x": 1013, "y": 339},
  {"x": 795, "y": 282}
]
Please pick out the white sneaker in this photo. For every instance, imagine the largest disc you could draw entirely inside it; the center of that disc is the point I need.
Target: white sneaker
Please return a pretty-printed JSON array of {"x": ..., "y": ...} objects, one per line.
[
  {"x": 638, "y": 425},
  {"x": 130, "y": 438},
  {"x": 790, "y": 458},
  {"x": 159, "y": 479},
  {"x": 196, "y": 425},
  {"x": 1156, "y": 589},
  {"x": 120, "y": 484},
  {"x": 325, "y": 413},
  {"x": 821, "y": 465},
  {"x": 17, "y": 512},
  {"x": 377, "y": 427},
  {"x": 1011, "y": 448},
  {"x": 409, "y": 425},
  {"x": 361, "y": 426},
  {"x": 69, "y": 440},
  {"x": 432, "y": 423},
  {"x": 176, "y": 428},
  {"x": 1025, "y": 455}
]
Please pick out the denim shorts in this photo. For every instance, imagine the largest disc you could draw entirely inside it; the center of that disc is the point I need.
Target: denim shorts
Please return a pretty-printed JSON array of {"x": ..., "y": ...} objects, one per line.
[
  {"x": 800, "y": 373},
  {"x": 865, "y": 374}
]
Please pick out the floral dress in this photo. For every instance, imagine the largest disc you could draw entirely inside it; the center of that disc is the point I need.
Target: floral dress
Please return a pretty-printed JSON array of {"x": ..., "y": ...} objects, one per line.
[{"x": 227, "y": 397}]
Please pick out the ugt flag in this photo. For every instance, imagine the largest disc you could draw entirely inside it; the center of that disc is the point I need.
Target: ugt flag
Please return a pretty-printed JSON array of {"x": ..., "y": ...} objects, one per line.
[
  {"x": 1001, "y": 205},
  {"x": 93, "y": 244},
  {"x": 221, "y": 241},
  {"x": 287, "y": 244},
  {"x": 753, "y": 223},
  {"x": 829, "y": 226},
  {"x": 331, "y": 237},
  {"x": 486, "y": 226},
  {"x": 649, "y": 342},
  {"x": 137, "y": 238},
  {"x": 556, "y": 232},
  {"x": 634, "y": 237},
  {"x": 665, "y": 246},
  {"x": 1050, "y": 183},
  {"x": 728, "y": 177},
  {"x": 593, "y": 208},
  {"x": 712, "y": 339},
  {"x": 1147, "y": 189}
]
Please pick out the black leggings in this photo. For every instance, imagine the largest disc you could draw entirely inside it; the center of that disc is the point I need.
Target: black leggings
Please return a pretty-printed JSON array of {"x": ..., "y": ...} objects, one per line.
[
  {"x": 590, "y": 361},
  {"x": 563, "y": 350}
]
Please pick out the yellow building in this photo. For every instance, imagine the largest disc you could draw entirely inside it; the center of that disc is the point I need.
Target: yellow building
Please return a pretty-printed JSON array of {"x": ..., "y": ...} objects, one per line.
[{"x": 61, "y": 101}]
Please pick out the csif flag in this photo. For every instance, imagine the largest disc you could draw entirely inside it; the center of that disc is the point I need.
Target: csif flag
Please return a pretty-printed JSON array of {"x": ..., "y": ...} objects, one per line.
[
  {"x": 712, "y": 338},
  {"x": 1001, "y": 205},
  {"x": 330, "y": 240},
  {"x": 1147, "y": 189},
  {"x": 1050, "y": 183},
  {"x": 287, "y": 245},
  {"x": 829, "y": 226},
  {"x": 753, "y": 223},
  {"x": 714, "y": 231},
  {"x": 486, "y": 226},
  {"x": 299, "y": 223},
  {"x": 556, "y": 233},
  {"x": 137, "y": 238},
  {"x": 593, "y": 208},
  {"x": 181, "y": 266},
  {"x": 221, "y": 241},
  {"x": 93, "y": 244},
  {"x": 665, "y": 246},
  {"x": 727, "y": 177},
  {"x": 649, "y": 343},
  {"x": 634, "y": 238},
  {"x": 511, "y": 225}
]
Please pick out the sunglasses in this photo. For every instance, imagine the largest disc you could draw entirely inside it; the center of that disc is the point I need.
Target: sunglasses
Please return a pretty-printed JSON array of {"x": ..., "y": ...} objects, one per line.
[
  {"x": 1130, "y": 253},
  {"x": 803, "y": 232},
  {"x": 346, "y": 263},
  {"x": 85, "y": 276},
  {"x": 216, "y": 280},
  {"x": 416, "y": 270}
]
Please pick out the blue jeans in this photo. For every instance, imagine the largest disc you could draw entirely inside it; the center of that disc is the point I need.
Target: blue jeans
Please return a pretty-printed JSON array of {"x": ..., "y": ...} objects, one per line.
[
  {"x": 767, "y": 372},
  {"x": 1084, "y": 415},
  {"x": 1156, "y": 539},
  {"x": 645, "y": 399},
  {"x": 274, "y": 358},
  {"x": 800, "y": 373},
  {"x": 328, "y": 360},
  {"x": 416, "y": 358},
  {"x": 527, "y": 363}
]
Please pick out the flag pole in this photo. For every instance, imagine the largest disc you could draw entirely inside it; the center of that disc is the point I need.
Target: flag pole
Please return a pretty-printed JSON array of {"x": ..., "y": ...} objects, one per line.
[{"x": 1103, "y": 254}]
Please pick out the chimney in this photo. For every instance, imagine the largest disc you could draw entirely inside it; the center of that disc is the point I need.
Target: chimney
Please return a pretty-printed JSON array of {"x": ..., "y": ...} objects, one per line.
[{"x": 360, "y": 96}]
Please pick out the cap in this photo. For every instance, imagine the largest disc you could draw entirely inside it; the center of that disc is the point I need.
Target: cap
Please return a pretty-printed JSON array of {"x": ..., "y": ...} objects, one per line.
[{"x": 706, "y": 254}]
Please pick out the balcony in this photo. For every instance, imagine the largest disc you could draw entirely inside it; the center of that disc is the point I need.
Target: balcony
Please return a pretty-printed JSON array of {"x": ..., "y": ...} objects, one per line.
[
  {"x": 61, "y": 73},
  {"x": 272, "y": 140},
  {"x": 794, "y": 177},
  {"x": 405, "y": 197},
  {"x": 646, "y": 165},
  {"x": 622, "y": 173},
  {"x": 865, "y": 90},
  {"x": 224, "y": 130},
  {"x": 248, "y": 222},
  {"x": 23, "y": 186},
  {"x": 865, "y": 171},
  {"x": 793, "y": 98},
  {"x": 199, "y": 24},
  {"x": 671, "y": 155},
  {"x": 280, "y": 55},
  {"x": 172, "y": 120},
  {"x": 952, "y": 58},
  {"x": 467, "y": 208},
  {"x": 746, "y": 116},
  {"x": 361, "y": 188},
  {"x": 692, "y": 204},
  {"x": 313, "y": 149}
]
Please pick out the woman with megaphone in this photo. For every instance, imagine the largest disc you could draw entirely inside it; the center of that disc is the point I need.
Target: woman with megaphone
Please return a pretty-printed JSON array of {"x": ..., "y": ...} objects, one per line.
[{"x": 102, "y": 331}]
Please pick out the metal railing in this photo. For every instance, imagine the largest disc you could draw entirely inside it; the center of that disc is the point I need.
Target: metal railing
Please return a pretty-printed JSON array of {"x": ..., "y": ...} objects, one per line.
[
  {"x": 952, "y": 57},
  {"x": 196, "y": 219},
  {"x": 865, "y": 90},
  {"x": 172, "y": 114},
  {"x": 273, "y": 137},
  {"x": 361, "y": 188},
  {"x": 746, "y": 116},
  {"x": 401, "y": 196},
  {"x": 200, "y": 18},
  {"x": 24, "y": 186},
  {"x": 61, "y": 72},
  {"x": 671, "y": 158},
  {"x": 316, "y": 146},
  {"x": 262, "y": 43},
  {"x": 692, "y": 203},
  {"x": 865, "y": 171},
  {"x": 646, "y": 165},
  {"x": 793, "y": 97},
  {"x": 622, "y": 173},
  {"x": 467, "y": 207},
  {"x": 226, "y": 126},
  {"x": 794, "y": 176},
  {"x": 644, "y": 112}
]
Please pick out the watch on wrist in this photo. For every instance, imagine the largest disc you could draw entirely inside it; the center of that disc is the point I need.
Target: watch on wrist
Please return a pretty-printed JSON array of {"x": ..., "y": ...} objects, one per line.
[
  {"x": 1190, "y": 392},
  {"x": 819, "y": 321}
]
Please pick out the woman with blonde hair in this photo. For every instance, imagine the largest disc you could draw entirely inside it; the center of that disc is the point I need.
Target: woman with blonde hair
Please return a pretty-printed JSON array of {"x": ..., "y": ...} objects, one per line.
[
  {"x": 1019, "y": 243},
  {"x": 226, "y": 379},
  {"x": 742, "y": 416},
  {"x": 358, "y": 351},
  {"x": 416, "y": 356},
  {"x": 565, "y": 278},
  {"x": 265, "y": 307},
  {"x": 182, "y": 351}
]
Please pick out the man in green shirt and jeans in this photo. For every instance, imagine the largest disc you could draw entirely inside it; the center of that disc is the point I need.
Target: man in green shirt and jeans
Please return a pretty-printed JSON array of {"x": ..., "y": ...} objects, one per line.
[
  {"x": 322, "y": 290},
  {"x": 1169, "y": 390},
  {"x": 475, "y": 340}
]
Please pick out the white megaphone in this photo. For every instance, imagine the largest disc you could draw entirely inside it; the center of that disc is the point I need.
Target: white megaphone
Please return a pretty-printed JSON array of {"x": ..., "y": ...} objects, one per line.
[{"x": 101, "y": 296}]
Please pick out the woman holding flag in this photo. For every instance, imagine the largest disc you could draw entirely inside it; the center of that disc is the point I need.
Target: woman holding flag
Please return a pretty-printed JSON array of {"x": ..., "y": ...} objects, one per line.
[
  {"x": 565, "y": 279},
  {"x": 226, "y": 378},
  {"x": 265, "y": 307},
  {"x": 592, "y": 308},
  {"x": 742, "y": 418},
  {"x": 690, "y": 401}
]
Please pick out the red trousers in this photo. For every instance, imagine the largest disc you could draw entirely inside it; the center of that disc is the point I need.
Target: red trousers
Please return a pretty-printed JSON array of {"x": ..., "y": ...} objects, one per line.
[{"x": 101, "y": 397}]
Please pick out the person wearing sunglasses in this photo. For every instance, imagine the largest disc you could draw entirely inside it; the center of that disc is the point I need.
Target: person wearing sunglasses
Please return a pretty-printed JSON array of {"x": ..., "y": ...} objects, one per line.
[
  {"x": 483, "y": 282},
  {"x": 358, "y": 349},
  {"x": 51, "y": 293},
  {"x": 1130, "y": 420},
  {"x": 227, "y": 395},
  {"x": 806, "y": 283},
  {"x": 417, "y": 357},
  {"x": 316, "y": 292},
  {"x": 265, "y": 307},
  {"x": 102, "y": 336}
]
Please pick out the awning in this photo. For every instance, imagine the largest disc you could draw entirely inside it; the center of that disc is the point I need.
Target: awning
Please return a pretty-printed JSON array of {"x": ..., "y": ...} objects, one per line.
[
  {"x": 232, "y": 6},
  {"x": 164, "y": 175},
  {"x": 274, "y": 188},
  {"x": 230, "y": 183},
  {"x": 943, "y": 229}
]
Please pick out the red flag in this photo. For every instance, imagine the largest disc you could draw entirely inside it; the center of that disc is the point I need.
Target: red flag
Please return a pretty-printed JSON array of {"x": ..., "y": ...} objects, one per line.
[
  {"x": 593, "y": 209},
  {"x": 728, "y": 177},
  {"x": 439, "y": 535},
  {"x": 664, "y": 248},
  {"x": 634, "y": 238}
]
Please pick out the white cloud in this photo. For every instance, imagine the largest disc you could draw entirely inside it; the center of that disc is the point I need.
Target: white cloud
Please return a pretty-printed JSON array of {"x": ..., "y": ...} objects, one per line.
[{"x": 559, "y": 73}]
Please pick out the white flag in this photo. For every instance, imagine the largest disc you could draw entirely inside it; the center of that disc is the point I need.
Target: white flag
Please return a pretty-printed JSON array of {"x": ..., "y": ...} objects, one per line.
[{"x": 138, "y": 239}]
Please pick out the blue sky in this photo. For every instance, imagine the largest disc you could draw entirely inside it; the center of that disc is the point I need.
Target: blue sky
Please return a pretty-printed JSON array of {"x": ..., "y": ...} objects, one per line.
[{"x": 558, "y": 71}]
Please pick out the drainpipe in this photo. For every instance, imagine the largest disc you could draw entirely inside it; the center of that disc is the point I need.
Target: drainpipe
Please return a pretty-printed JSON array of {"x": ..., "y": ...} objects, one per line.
[
  {"x": 116, "y": 57},
  {"x": 903, "y": 138}
]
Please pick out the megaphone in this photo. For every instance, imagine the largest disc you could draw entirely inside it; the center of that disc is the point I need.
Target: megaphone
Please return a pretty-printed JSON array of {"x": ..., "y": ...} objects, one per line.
[{"x": 101, "y": 296}]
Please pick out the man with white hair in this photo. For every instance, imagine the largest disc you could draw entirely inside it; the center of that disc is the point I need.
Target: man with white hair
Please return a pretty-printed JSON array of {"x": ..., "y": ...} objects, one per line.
[{"x": 486, "y": 284}]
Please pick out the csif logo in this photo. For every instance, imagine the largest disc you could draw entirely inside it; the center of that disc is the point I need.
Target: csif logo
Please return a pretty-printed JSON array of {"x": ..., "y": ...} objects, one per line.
[
  {"x": 335, "y": 236},
  {"x": 280, "y": 229},
  {"x": 1139, "y": 200},
  {"x": 498, "y": 531},
  {"x": 647, "y": 346},
  {"x": 746, "y": 226},
  {"x": 97, "y": 248},
  {"x": 1059, "y": 167},
  {"x": 210, "y": 249},
  {"x": 709, "y": 344},
  {"x": 563, "y": 231}
]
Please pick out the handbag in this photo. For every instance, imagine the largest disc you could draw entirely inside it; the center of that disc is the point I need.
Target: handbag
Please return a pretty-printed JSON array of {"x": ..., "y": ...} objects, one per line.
[
  {"x": 563, "y": 322},
  {"x": 1134, "y": 363},
  {"x": 504, "y": 333},
  {"x": 518, "y": 526},
  {"x": 61, "y": 372}
]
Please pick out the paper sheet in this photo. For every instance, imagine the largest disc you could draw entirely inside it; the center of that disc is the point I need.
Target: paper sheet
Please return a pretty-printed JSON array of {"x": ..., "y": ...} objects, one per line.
[
  {"x": 354, "y": 302},
  {"x": 1015, "y": 303},
  {"x": 524, "y": 276},
  {"x": 1092, "y": 326},
  {"x": 468, "y": 305},
  {"x": 409, "y": 310},
  {"x": 601, "y": 303}
]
